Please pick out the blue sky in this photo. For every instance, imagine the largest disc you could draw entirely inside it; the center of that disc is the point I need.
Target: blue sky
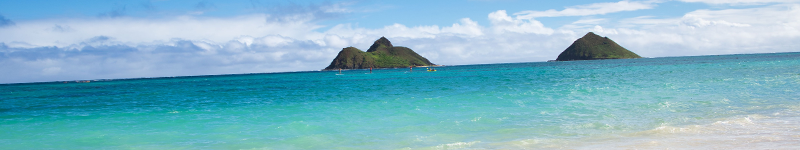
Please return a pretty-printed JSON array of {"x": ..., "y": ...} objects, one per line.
[
  {"x": 368, "y": 14},
  {"x": 107, "y": 39}
]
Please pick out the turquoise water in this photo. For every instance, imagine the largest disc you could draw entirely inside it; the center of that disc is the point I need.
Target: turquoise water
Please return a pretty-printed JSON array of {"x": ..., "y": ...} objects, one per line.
[{"x": 632, "y": 103}]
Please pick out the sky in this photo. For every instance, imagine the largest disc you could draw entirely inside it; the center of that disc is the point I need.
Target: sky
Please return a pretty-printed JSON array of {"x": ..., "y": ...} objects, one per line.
[{"x": 42, "y": 41}]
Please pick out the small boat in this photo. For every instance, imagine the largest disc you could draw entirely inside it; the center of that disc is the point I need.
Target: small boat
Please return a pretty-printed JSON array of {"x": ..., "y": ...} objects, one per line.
[{"x": 431, "y": 69}]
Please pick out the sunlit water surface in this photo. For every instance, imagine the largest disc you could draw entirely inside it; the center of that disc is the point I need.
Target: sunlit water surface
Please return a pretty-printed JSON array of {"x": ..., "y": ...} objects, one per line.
[{"x": 722, "y": 102}]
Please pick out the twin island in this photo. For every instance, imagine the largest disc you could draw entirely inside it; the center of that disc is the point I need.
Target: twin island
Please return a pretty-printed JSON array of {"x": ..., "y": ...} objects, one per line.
[{"x": 382, "y": 54}]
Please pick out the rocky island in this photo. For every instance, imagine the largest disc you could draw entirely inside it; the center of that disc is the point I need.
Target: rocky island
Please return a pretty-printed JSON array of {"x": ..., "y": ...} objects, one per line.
[
  {"x": 382, "y": 54},
  {"x": 592, "y": 47}
]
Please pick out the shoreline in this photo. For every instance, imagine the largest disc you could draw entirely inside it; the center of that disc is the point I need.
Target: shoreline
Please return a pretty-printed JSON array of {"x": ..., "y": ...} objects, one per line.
[{"x": 741, "y": 132}]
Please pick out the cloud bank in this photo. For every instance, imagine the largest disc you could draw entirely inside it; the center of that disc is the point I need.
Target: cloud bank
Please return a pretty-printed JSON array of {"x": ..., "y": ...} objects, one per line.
[{"x": 124, "y": 47}]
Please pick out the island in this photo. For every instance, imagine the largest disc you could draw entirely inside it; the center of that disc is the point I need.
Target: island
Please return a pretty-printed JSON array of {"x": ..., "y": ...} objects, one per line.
[
  {"x": 382, "y": 54},
  {"x": 593, "y": 47}
]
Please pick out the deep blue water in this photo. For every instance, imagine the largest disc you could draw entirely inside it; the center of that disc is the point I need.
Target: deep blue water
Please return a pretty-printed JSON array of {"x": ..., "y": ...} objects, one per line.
[{"x": 577, "y": 104}]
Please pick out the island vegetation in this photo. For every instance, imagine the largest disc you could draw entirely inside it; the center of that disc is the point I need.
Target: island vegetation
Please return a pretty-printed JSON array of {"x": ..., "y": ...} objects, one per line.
[
  {"x": 592, "y": 47},
  {"x": 382, "y": 54}
]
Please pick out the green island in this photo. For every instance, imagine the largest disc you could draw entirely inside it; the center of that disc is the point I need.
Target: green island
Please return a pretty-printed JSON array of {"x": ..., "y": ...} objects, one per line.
[
  {"x": 593, "y": 47},
  {"x": 380, "y": 55}
]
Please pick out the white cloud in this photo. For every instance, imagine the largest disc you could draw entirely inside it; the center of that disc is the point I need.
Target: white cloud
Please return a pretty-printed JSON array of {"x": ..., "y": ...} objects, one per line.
[
  {"x": 174, "y": 58},
  {"x": 336, "y": 41},
  {"x": 599, "y": 30},
  {"x": 741, "y": 2},
  {"x": 273, "y": 40},
  {"x": 336, "y": 8},
  {"x": 132, "y": 30},
  {"x": 467, "y": 27},
  {"x": 502, "y": 23},
  {"x": 645, "y": 21},
  {"x": 766, "y": 15},
  {"x": 696, "y": 22},
  {"x": 581, "y": 24},
  {"x": 586, "y": 10},
  {"x": 589, "y": 21},
  {"x": 712, "y": 32},
  {"x": 246, "y": 40},
  {"x": 367, "y": 36}
]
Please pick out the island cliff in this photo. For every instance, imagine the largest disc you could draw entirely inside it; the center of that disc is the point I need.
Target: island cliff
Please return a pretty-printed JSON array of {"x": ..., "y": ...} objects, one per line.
[
  {"x": 592, "y": 47},
  {"x": 382, "y": 54}
]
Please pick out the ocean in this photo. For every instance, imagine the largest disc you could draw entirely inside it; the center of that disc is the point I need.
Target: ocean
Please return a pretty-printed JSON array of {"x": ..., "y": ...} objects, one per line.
[{"x": 701, "y": 102}]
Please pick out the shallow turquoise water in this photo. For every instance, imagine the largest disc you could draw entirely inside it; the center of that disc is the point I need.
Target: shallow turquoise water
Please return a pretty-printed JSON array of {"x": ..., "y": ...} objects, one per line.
[{"x": 576, "y": 104}]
